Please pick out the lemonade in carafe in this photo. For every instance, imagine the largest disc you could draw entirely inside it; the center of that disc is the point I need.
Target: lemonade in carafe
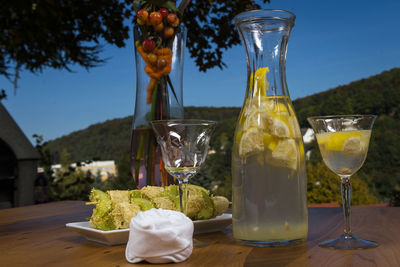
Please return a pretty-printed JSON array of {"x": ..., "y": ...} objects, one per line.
[{"x": 268, "y": 164}]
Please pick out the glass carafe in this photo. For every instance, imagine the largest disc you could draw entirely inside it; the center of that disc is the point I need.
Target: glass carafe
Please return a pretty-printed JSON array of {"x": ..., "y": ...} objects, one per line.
[{"x": 269, "y": 196}]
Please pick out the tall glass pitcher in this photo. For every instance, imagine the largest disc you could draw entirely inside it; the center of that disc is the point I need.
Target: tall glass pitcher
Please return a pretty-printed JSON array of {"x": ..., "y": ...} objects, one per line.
[{"x": 268, "y": 163}]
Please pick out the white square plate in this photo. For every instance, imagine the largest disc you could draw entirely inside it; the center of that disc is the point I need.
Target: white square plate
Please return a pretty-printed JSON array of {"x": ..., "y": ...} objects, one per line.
[{"x": 117, "y": 237}]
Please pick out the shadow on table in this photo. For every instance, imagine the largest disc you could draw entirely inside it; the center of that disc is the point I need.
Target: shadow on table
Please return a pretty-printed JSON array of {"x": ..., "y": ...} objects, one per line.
[{"x": 281, "y": 256}]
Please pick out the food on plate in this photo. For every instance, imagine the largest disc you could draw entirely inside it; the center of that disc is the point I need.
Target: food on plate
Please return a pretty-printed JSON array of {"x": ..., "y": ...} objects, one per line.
[{"x": 115, "y": 208}]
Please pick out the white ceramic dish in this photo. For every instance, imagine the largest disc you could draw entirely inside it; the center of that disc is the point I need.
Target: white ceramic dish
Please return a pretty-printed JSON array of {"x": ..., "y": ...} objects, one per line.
[{"x": 117, "y": 237}]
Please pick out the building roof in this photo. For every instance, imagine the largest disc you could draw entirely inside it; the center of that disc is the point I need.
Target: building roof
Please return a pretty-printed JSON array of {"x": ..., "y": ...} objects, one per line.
[{"x": 11, "y": 134}]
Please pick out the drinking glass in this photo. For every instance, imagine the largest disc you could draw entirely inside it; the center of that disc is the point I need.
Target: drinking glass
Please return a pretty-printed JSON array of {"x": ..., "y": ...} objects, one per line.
[
  {"x": 343, "y": 142},
  {"x": 184, "y": 145}
]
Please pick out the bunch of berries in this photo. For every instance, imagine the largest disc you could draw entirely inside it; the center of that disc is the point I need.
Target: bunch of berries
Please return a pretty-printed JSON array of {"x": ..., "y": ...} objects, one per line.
[
  {"x": 154, "y": 56},
  {"x": 159, "y": 29},
  {"x": 158, "y": 63},
  {"x": 162, "y": 21}
]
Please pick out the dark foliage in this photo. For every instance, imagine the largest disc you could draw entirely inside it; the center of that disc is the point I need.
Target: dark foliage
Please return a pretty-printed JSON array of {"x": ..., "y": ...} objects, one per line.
[
  {"x": 395, "y": 198},
  {"x": 56, "y": 34},
  {"x": 68, "y": 183},
  {"x": 212, "y": 30},
  {"x": 3, "y": 94},
  {"x": 45, "y": 157},
  {"x": 323, "y": 186},
  {"x": 60, "y": 34}
]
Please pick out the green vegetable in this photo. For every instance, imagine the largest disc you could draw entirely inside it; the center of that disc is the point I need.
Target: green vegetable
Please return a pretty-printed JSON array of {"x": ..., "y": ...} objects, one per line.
[
  {"x": 208, "y": 210},
  {"x": 143, "y": 203},
  {"x": 101, "y": 218},
  {"x": 114, "y": 209},
  {"x": 171, "y": 191},
  {"x": 136, "y": 194}
]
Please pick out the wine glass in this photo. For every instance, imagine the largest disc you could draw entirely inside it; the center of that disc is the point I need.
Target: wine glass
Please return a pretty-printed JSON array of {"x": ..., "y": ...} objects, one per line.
[
  {"x": 184, "y": 145},
  {"x": 343, "y": 142}
]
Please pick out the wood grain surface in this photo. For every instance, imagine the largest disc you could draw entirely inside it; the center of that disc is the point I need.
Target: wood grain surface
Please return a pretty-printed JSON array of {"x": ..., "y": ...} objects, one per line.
[{"x": 37, "y": 236}]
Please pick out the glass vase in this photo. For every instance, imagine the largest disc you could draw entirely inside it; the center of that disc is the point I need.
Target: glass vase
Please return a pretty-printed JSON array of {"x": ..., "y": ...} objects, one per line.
[
  {"x": 269, "y": 193},
  {"x": 156, "y": 99}
]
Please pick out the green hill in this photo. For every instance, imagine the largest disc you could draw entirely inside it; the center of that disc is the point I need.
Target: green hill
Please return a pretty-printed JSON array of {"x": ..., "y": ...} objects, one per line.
[
  {"x": 111, "y": 139},
  {"x": 379, "y": 94},
  {"x": 101, "y": 141}
]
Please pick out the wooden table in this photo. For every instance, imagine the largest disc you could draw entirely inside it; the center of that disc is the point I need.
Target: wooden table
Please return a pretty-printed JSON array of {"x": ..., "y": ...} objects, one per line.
[{"x": 37, "y": 236}]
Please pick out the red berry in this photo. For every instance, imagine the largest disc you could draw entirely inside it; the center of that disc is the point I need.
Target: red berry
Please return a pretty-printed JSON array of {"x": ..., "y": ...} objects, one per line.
[
  {"x": 155, "y": 18},
  {"x": 143, "y": 15},
  {"x": 164, "y": 12},
  {"x": 149, "y": 45},
  {"x": 171, "y": 18},
  {"x": 161, "y": 63},
  {"x": 168, "y": 32}
]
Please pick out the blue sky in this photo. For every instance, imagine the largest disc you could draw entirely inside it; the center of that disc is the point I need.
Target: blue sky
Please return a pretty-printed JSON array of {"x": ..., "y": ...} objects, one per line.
[{"x": 332, "y": 43}]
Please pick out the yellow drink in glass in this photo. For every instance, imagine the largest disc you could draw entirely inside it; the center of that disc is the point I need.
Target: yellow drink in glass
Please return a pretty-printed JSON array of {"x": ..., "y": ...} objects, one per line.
[{"x": 344, "y": 152}]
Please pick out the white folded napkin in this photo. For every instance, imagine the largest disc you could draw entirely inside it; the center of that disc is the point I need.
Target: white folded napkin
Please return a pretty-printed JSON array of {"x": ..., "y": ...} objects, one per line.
[{"x": 159, "y": 236}]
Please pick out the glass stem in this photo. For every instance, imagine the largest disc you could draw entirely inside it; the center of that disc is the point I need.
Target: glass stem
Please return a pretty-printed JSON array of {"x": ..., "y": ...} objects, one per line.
[
  {"x": 346, "y": 201},
  {"x": 183, "y": 195}
]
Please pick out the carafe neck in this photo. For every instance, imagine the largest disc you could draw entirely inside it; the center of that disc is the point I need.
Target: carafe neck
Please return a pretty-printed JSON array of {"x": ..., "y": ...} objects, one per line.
[{"x": 265, "y": 35}]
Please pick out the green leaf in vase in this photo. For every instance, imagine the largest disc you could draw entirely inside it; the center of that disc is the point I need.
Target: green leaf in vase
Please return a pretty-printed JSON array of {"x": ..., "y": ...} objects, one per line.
[
  {"x": 167, "y": 4},
  {"x": 136, "y": 4}
]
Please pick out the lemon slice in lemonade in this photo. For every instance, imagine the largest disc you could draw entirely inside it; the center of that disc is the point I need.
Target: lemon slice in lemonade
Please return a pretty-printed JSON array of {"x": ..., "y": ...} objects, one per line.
[
  {"x": 251, "y": 142},
  {"x": 285, "y": 154},
  {"x": 279, "y": 127},
  {"x": 270, "y": 141},
  {"x": 256, "y": 118},
  {"x": 261, "y": 84},
  {"x": 258, "y": 91},
  {"x": 342, "y": 141},
  {"x": 276, "y": 124},
  {"x": 352, "y": 145}
]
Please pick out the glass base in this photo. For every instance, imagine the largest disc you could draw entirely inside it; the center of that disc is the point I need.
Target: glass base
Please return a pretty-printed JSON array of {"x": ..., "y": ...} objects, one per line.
[
  {"x": 348, "y": 241},
  {"x": 283, "y": 243}
]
